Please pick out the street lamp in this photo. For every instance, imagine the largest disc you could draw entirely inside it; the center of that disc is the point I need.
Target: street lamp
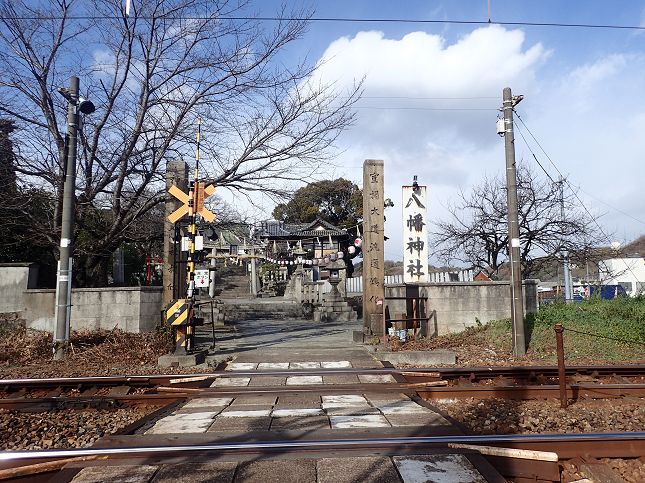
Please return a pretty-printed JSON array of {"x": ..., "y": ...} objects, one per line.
[{"x": 75, "y": 104}]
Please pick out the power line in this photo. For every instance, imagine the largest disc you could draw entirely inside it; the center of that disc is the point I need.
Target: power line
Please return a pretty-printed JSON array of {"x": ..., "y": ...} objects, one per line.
[
  {"x": 429, "y": 98},
  {"x": 350, "y": 20},
  {"x": 427, "y": 108},
  {"x": 556, "y": 168},
  {"x": 606, "y": 237}
]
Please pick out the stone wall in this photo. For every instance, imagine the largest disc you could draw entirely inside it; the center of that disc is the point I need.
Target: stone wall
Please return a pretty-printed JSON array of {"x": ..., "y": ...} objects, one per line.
[
  {"x": 131, "y": 309},
  {"x": 15, "y": 278},
  {"x": 457, "y": 305}
]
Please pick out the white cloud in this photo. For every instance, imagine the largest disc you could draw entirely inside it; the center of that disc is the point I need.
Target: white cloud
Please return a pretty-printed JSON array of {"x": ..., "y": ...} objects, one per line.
[
  {"x": 419, "y": 65},
  {"x": 587, "y": 114}
]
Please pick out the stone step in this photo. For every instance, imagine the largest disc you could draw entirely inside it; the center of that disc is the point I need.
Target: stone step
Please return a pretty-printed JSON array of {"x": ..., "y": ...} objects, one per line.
[{"x": 276, "y": 311}]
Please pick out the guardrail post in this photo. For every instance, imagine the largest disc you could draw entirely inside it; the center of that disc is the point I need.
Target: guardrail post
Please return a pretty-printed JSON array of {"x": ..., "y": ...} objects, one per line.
[{"x": 561, "y": 373}]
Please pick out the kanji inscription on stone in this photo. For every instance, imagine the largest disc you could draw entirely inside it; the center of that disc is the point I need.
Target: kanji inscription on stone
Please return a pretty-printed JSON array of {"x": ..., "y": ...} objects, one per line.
[{"x": 373, "y": 262}]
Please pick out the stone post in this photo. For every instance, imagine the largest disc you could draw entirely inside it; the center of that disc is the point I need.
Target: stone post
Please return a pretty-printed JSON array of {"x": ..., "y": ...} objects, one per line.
[
  {"x": 373, "y": 257},
  {"x": 118, "y": 265},
  {"x": 176, "y": 174}
]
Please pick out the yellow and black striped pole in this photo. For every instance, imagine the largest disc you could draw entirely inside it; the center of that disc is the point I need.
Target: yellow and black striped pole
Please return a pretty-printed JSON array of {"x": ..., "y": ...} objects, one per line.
[{"x": 180, "y": 312}]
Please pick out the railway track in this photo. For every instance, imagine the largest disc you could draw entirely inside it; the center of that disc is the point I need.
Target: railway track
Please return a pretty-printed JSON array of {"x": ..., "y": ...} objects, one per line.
[
  {"x": 126, "y": 447},
  {"x": 592, "y": 382}
]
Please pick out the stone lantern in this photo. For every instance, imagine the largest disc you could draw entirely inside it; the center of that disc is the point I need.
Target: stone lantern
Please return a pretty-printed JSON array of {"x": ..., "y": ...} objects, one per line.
[
  {"x": 334, "y": 279},
  {"x": 334, "y": 307},
  {"x": 298, "y": 274}
]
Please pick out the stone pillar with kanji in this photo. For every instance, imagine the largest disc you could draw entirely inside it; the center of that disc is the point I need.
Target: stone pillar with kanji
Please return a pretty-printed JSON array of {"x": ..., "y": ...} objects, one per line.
[{"x": 373, "y": 256}]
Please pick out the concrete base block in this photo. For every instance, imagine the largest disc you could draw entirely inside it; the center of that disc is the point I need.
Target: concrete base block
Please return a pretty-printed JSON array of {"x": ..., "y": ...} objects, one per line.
[
  {"x": 418, "y": 358},
  {"x": 358, "y": 337},
  {"x": 338, "y": 317},
  {"x": 376, "y": 324},
  {"x": 188, "y": 360}
]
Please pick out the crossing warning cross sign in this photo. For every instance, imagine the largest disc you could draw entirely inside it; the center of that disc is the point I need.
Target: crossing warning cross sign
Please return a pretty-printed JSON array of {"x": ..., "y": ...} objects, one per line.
[{"x": 200, "y": 195}]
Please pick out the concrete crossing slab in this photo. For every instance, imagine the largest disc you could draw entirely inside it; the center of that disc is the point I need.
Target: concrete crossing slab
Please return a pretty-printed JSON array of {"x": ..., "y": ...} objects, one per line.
[
  {"x": 275, "y": 471},
  {"x": 256, "y": 400},
  {"x": 352, "y": 411},
  {"x": 335, "y": 364},
  {"x": 218, "y": 472},
  {"x": 268, "y": 381},
  {"x": 361, "y": 421},
  {"x": 357, "y": 470},
  {"x": 402, "y": 407},
  {"x": 116, "y": 474},
  {"x": 343, "y": 401},
  {"x": 340, "y": 379},
  {"x": 441, "y": 468},
  {"x": 214, "y": 409},
  {"x": 178, "y": 425},
  {"x": 307, "y": 423},
  {"x": 376, "y": 378},
  {"x": 297, "y": 412},
  {"x": 201, "y": 402},
  {"x": 299, "y": 400},
  {"x": 248, "y": 413},
  {"x": 189, "y": 416},
  {"x": 303, "y": 380},
  {"x": 304, "y": 365},
  {"x": 240, "y": 424},
  {"x": 241, "y": 366},
  {"x": 273, "y": 366},
  {"x": 231, "y": 381},
  {"x": 428, "y": 419}
]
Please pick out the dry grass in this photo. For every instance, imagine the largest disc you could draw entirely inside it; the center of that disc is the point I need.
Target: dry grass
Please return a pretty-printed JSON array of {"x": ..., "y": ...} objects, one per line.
[{"x": 114, "y": 348}]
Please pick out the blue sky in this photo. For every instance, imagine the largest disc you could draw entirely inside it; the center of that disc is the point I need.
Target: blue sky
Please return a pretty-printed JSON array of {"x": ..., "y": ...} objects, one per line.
[{"x": 584, "y": 97}]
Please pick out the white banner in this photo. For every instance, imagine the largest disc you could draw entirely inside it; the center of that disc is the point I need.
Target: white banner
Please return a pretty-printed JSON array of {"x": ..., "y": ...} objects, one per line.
[{"x": 415, "y": 234}]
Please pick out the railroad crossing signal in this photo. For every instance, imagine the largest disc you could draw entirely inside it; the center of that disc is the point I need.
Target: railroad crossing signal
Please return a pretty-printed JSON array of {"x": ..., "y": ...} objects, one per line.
[
  {"x": 179, "y": 312},
  {"x": 200, "y": 195},
  {"x": 180, "y": 316}
]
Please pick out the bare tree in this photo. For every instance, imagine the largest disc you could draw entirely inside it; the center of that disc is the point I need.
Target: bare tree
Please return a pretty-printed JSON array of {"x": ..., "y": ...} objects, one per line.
[
  {"x": 151, "y": 75},
  {"x": 477, "y": 231}
]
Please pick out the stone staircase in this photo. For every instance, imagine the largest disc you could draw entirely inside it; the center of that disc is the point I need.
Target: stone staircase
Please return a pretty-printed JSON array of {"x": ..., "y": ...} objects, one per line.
[
  {"x": 232, "y": 282},
  {"x": 261, "y": 310}
]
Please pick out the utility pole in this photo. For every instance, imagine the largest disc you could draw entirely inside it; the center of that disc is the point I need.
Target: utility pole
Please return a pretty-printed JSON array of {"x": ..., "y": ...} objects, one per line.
[
  {"x": 517, "y": 309},
  {"x": 568, "y": 292},
  {"x": 64, "y": 277}
]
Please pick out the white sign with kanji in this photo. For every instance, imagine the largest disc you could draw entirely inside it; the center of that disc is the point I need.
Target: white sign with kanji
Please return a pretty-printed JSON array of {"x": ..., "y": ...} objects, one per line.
[
  {"x": 202, "y": 278},
  {"x": 415, "y": 234}
]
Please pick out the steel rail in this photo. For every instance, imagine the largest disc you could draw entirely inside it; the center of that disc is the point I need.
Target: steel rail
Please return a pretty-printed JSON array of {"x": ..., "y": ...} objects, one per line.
[
  {"x": 302, "y": 445},
  {"x": 166, "y": 395},
  {"x": 574, "y": 391},
  {"x": 446, "y": 373},
  {"x": 32, "y": 404},
  {"x": 592, "y": 391}
]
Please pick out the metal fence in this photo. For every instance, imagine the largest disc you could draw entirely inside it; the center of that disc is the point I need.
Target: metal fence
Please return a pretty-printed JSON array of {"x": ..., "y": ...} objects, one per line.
[{"x": 355, "y": 285}]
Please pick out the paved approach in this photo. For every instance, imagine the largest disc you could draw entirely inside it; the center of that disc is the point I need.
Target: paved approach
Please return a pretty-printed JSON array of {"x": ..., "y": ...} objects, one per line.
[{"x": 259, "y": 345}]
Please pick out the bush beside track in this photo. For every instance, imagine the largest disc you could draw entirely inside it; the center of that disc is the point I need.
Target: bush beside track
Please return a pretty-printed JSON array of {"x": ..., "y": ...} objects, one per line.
[{"x": 596, "y": 331}]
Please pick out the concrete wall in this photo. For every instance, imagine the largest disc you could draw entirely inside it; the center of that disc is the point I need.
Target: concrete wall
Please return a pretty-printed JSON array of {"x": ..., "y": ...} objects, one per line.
[
  {"x": 15, "y": 278},
  {"x": 132, "y": 309},
  {"x": 457, "y": 305}
]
